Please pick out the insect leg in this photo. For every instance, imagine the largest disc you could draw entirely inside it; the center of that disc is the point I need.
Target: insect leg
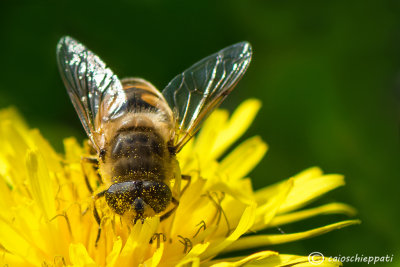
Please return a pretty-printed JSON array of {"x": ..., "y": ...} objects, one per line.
[
  {"x": 89, "y": 187},
  {"x": 169, "y": 213},
  {"x": 94, "y": 162},
  {"x": 90, "y": 159}
]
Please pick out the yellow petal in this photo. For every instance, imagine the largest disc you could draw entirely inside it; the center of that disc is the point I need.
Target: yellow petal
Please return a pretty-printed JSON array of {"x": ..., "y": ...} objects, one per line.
[
  {"x": 15, "y": 243},
  {"x": 192, "y": 262},
  {"x": 40, "y": 184},
  {"x": 207, "y": 137},
  {"x": 239, "y": 122},
  {"x": 15, "y": 149},
  {"x": 73, "y": 151},
  {"x": 48, "y": 153},
  {"x": 112, "y": 257},
  {"x": 11, "y": 114},
  {"x": 305, "y": 191},
  {"x": 243, "y": 159},
  {"x": 283, "y": 260},
  {"x": 156, "y": 258},
  {"x": 187, "y": 205},
  {"x": 308, "y": 185},
  {"x": 266, "y": 240},
  {"x": 10, "y": 123},
  {"x": 265, "y": 193},
  {"x": 193, "y": 256},
  {"x": 137, "y": 245},
  {"x": 8, "y": 259},
  {"x": 241, "y": 261},
  {"x": 332, "y": 208},
  {"x": 79, "y": 256},
  {"x": 266, "y": 212},
  {"x": 6, "y": 199},
  {"x": 246, "y": 221},
  {"x": 241, "y": 190}
]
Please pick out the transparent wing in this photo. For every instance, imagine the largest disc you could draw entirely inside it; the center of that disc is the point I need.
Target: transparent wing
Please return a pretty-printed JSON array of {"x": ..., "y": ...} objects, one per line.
[
  {"x": 91, "y": 86},
  {"x": 195, "y": 93}
]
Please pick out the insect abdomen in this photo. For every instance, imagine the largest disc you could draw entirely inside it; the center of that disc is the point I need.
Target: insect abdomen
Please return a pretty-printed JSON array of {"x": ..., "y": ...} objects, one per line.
[{"x": 138, "y": 154}]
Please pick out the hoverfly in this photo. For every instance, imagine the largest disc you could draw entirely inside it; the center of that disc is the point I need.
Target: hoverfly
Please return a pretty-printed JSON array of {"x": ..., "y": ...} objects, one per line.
[{"x": 137, "y": 130}]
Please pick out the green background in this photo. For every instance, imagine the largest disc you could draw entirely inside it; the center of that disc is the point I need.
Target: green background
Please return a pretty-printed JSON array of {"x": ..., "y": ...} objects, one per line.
[{"x": 327, "y": 72}]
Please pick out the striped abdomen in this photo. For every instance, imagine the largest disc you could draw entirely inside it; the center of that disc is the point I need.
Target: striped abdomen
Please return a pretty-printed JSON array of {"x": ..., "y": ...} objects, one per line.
[{"x": 138, "y": 154}]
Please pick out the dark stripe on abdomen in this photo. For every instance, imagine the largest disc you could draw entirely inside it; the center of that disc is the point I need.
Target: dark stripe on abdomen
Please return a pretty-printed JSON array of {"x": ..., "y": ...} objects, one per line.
[{"x": 137, "y": 154}]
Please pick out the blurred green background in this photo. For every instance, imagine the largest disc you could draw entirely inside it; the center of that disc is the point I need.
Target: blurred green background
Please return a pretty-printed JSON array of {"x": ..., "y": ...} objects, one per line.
[{"x": 327, "y": 72}]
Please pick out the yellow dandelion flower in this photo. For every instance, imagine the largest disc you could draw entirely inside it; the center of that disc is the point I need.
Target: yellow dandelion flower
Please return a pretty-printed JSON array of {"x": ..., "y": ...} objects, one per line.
[{"x": 47, "y": 211}]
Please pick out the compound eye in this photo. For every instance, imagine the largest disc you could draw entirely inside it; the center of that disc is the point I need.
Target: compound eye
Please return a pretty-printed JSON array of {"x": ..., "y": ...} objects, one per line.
[
  {"x": 157, "y": 195},
  {"x": 120, "y": 196}
]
